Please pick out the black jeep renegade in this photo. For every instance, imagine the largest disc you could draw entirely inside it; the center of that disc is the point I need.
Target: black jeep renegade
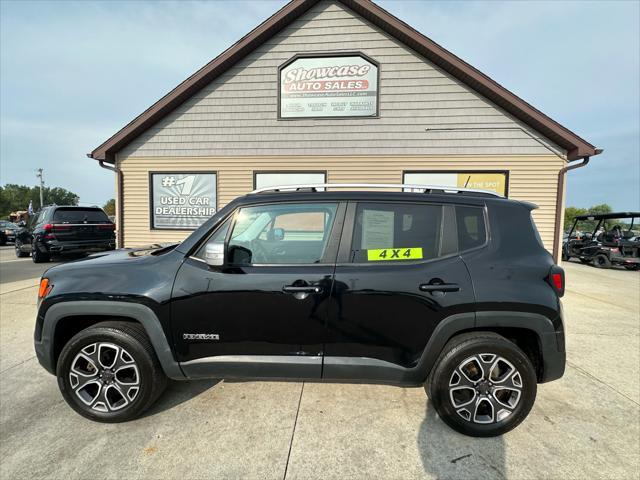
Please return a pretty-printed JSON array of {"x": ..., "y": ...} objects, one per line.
[{"x": 451, "y": 290}]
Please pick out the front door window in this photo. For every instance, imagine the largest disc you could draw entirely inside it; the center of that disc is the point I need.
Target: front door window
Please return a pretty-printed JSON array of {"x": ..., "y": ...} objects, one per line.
[{"x": 281, "y": 234}]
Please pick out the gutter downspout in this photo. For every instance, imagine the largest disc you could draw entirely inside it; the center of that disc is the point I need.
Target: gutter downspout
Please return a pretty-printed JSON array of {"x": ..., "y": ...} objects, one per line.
[
  {"x": 119, "y": 203},
  {"x": 560, "y": 205}
]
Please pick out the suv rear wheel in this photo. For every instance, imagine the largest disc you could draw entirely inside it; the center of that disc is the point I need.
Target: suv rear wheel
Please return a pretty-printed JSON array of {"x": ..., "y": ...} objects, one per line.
[
  {"x": 482, "y": 385},
  {"x": 110, "y": 373}
]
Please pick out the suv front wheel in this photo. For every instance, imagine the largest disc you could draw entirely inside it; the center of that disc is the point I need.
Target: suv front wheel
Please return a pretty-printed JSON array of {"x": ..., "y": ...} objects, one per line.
[
  {"x": 109, "y": 372},
  {"x": 482, "y": 385}
]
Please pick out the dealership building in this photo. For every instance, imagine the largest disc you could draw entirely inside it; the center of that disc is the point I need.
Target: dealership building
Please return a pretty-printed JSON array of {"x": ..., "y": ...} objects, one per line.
[{"x": 336, "y": 91}]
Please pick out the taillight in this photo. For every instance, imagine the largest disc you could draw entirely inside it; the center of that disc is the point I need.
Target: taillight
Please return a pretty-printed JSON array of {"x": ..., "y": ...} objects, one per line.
[
  {"x": 556, "y": 279},
  {"x": 51, "y": 228},
  {"x": 107, "y": 226},
  {"x": 44, "y": 289}
]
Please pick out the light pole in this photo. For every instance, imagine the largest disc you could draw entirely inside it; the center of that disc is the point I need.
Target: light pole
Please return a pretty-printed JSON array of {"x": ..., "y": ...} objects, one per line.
[{"x": 39, "y": 175}]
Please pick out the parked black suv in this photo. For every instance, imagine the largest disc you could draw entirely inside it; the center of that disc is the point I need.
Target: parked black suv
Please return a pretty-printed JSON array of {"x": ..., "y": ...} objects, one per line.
[
  {"x": 7, "y": 232},
  {"x": 451, "y": 290},
  {"x": 61, "y": 230}
]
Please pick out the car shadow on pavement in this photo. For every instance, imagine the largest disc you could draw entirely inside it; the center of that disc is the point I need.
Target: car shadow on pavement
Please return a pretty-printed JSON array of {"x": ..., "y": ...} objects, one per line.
[
  {"x": 178, "y": 392},
  {"x": 447, "y": 454}
]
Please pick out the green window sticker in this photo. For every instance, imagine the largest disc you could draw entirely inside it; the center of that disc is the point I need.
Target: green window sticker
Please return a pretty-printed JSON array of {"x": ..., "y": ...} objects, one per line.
[{"x": 394, "y": 254}]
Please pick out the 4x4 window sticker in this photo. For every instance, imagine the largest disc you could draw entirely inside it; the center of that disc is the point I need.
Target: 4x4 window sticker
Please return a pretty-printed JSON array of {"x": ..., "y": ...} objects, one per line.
[{"x": 394, "y": 254}]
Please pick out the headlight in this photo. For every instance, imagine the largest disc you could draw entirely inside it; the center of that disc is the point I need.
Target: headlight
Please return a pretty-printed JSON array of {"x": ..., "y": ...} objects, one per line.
[{"x": 8, "y": 232}]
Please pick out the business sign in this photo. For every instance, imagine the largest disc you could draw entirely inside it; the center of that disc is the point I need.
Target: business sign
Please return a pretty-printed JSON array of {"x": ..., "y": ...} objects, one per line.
[
  {"x": 182, "y": 201},
  {"x": 343, "y": 86},
  {"x": 492, "y": 181}
]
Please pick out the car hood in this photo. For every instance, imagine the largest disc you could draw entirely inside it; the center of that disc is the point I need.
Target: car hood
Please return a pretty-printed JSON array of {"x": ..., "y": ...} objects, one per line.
[{"x": 120, "y": 256}]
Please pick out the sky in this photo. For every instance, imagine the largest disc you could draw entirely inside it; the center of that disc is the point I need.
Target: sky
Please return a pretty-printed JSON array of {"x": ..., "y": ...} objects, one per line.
[{"x": 73, "y": 73}]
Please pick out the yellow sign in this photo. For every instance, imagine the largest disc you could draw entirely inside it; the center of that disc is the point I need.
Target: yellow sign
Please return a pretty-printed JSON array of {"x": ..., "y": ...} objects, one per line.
[
  {"x": 388, "y": 254},
  {"x": 494, "y": 182}
]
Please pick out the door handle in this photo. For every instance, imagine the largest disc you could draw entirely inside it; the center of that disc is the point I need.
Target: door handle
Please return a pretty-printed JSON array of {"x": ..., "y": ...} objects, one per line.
[
  {"x": 302, "y": 289},
  {"x": 439, "y": 287}
]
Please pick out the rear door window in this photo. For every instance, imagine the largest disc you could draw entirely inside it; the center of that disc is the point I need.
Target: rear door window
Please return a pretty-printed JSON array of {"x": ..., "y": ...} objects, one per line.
[
  {"x": 396, "y": 232},
  {"x": 80, "y": 215},
  {"x": 472, "y": 231}
]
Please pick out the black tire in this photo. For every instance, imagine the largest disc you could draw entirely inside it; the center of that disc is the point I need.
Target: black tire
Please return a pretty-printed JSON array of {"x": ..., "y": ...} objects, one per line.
[
  {"x": 130, "y": 337},
  {"x": 565, "y": 257},
  {"x": 37, "y": 256},
  {"x": 635, "y": 266},
  {"x": 601, "y": 261},
  {"x": 19, "y": 252},
  {"x": 471, "y": 345},
  {"x": 3, "y": 240}
]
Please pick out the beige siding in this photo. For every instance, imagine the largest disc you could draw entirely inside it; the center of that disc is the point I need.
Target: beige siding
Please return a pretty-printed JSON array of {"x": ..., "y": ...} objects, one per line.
[
  {"x": 531, "y": 178},
  {"x": 236, "y": 115}
]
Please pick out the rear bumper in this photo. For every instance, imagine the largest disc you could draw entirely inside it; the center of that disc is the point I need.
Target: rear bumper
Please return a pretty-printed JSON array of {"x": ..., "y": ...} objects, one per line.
[
  {"x": 552, "y": 345},
  {"x": 554, "y": 357},
  {"x": 54, "y": 246}
]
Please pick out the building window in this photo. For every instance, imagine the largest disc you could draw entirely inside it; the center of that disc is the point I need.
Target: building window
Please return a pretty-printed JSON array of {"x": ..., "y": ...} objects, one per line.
[
  {"x": 276, "y": 179},
  {"x": 181, "y": 200},
  {"x": 483, "y": 180}
]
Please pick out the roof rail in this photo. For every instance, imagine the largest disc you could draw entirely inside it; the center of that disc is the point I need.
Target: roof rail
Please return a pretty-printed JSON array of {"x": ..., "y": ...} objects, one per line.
[{"x": 411, "y": 187}]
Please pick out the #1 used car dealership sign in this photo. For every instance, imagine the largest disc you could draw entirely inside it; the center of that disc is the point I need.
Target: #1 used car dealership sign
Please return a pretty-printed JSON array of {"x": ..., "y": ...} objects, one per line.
[
  {"x": 324, "y": 86},
  {"x": 182, "y": 201}
]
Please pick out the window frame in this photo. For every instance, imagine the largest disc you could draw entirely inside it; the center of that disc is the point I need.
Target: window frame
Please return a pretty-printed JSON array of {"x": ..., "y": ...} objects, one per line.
[
  {"x": 331, "y": 247},
  {"x": 284, "y": 172}
]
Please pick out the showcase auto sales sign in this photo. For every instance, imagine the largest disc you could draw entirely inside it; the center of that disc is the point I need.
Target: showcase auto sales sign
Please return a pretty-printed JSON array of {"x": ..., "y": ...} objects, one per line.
[{"x": 329, "y": 87}]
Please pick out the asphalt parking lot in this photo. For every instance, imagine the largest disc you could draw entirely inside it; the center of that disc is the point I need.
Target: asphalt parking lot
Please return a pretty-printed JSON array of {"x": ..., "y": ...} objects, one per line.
[
  {"x": 586, "y": 425},
  {"x": 15, "y": 269}
]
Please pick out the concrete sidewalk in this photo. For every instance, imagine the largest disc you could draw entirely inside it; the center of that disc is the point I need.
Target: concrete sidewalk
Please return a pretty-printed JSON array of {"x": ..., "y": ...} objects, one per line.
[{"x": 586, "y": 425}]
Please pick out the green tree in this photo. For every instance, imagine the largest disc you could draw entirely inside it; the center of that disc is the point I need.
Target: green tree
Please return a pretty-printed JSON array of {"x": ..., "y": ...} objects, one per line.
[
  {"x": 110, "y": 207},
  {"x": 17, "y": 197},
  {"x": 570, "y": 214},
  {"x": 588, "y": 225}
]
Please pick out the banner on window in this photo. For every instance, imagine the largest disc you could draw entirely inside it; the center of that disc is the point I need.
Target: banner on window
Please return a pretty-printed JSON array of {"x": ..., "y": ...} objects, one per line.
[
  {"x": 492, "y": 181},
  {"x": 342, "y": 86},
  {"x": 182, "y": 201}
]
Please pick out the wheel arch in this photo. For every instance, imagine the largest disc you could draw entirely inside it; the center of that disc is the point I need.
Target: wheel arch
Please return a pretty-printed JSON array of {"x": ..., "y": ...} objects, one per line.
[
  {"x": 63, "y": 320},
  {"x": 534, "y": 333}
]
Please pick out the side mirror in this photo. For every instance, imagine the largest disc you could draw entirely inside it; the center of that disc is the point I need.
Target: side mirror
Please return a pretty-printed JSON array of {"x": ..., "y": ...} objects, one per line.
[{"x": 214, "y": 254}]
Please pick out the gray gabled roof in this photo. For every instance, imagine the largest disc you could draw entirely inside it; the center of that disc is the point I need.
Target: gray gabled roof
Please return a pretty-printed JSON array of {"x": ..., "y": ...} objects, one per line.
[{"x": 575, "y": 146}]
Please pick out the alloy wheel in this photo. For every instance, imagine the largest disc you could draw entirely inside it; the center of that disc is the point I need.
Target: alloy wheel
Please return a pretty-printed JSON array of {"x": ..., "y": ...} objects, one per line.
[
  {"x": 485, "y": 388},
  {"x": 105, "y": 377}
]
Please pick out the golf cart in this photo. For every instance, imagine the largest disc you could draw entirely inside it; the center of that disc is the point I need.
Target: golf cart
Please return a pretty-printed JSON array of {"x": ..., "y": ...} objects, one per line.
[{"x": 605, "y": 242}]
